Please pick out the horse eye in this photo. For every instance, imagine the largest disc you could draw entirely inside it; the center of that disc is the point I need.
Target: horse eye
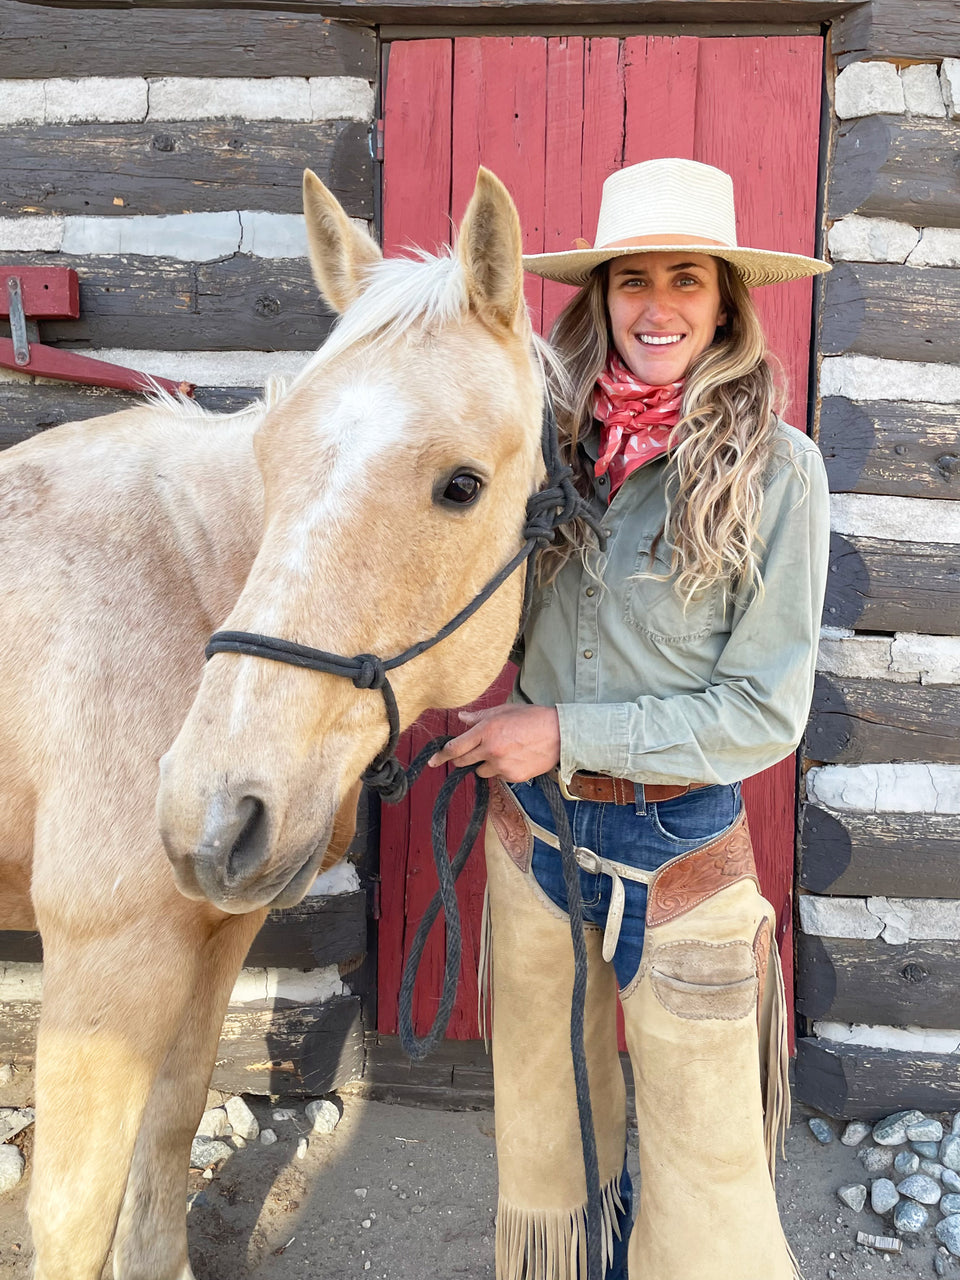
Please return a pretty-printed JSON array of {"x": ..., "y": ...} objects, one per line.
[{"x": 463, "y": 489}]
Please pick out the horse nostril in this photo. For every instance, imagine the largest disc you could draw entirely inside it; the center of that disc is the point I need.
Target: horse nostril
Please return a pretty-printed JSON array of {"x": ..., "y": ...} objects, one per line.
[{"x": 249, "y": 845}]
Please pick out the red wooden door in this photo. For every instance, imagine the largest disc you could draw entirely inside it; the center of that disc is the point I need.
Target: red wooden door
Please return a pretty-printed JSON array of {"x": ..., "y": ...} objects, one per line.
[{"x": 552, "y": 118}]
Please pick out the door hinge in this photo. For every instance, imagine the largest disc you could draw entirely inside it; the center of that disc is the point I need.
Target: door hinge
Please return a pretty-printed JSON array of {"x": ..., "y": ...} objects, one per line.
[{"x": 376, "y": 139}]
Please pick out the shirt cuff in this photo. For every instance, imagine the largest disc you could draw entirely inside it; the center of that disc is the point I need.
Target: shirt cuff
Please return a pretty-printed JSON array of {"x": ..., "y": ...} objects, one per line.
[{"x": 593, "y": 736}]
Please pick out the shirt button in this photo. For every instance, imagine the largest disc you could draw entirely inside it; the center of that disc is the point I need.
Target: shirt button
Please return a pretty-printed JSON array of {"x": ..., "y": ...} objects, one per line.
[
  {"x": 602, "y": 480},
  {"x": 607, "y": 532},
  {"x": 591, "y": 591},
  {"x": 588, "y": 653}
]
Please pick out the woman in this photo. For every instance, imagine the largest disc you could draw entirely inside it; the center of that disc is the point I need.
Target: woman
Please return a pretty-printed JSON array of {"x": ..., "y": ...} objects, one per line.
[{"x": 655, "y": 677}]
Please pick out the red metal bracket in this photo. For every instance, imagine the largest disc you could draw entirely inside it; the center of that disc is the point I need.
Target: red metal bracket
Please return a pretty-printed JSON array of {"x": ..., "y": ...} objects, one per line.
[{"x": 28, "y": 294}]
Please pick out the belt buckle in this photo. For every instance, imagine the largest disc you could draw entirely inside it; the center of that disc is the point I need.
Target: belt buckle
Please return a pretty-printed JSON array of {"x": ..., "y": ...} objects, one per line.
[
  {"x": 588, "y": 861},
  {"x": 564, "y": 789}
]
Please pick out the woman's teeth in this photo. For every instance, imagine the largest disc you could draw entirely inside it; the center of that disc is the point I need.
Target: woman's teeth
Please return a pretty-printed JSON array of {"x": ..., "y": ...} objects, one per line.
[{"x": 649, "y": 340}]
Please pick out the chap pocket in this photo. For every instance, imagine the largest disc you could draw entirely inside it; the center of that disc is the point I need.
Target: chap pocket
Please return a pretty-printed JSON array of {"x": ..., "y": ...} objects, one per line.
[{"x": 705, "y": 980}]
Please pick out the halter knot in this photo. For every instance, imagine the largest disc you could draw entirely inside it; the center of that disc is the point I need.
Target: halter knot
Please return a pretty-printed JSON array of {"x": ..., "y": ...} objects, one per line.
[
  {"x": 388, "y": 779},
  {"x": 551, "y": 507},
  {"x": 370, "y": 672}
]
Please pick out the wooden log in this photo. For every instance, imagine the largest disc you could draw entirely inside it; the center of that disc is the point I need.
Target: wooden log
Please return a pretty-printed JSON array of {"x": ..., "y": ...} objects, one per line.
[
  {"x": 895, "y": 167},
  {"x": 853, "y": 1081},
  {"x": 317, "y": 931},
  {"x": 908, "y": 450},
  {"x": 896, "y": 312},
  {"x": 299, "y": 1050},
  {"x": 172, "y": 167},
  {"x": 871, "y": 721},
  {"x": 877, "y": 584},
  {"x": 205, "y": 42},
  {"x": 240, "y": 303},
  {"x": 26, "y": 409},
  {"x": 915, "y": 855},
  {"x": 874, "y": 982},
  {"x": 923, "y": 29}
]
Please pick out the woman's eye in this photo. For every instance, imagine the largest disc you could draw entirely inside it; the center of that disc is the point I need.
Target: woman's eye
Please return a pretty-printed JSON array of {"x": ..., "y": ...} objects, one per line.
[{"x": 463, "y": 489}]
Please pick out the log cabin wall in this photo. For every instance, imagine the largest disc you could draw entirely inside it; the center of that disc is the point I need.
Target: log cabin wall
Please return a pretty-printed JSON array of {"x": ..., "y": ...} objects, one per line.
[
  {"x": 159, "y": 153},
  {"x": 878, "y": 953}
]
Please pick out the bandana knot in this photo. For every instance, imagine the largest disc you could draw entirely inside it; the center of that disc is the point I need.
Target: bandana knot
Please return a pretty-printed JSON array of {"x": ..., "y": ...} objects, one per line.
[{"x": 635, "y": 420}]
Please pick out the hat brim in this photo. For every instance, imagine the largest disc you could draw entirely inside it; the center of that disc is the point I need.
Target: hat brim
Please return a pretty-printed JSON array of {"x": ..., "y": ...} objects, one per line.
[{"x": 755, "y": 266}]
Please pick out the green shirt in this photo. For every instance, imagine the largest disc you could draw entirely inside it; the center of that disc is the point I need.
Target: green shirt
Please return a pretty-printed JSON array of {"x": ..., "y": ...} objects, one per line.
[{"x": 650, "y": 691}]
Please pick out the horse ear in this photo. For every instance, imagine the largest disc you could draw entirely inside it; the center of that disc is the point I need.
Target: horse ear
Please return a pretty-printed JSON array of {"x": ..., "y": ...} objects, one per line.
[
  {"x": 339, "y": 252},
  {"x": 490, "y": 252}
]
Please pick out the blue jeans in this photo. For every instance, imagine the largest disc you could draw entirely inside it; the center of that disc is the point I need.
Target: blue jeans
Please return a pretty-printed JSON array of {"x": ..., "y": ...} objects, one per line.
[{"x": 641, "y": 835}]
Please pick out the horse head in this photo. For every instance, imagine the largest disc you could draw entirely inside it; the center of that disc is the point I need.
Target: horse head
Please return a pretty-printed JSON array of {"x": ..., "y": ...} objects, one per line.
[{"x": 395, "y": 472}]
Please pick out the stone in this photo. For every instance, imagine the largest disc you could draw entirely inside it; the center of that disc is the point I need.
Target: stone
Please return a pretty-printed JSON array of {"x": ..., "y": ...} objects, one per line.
[
  {"x": 360, "y": 1192},
  {"x": 11, "y": 1168},
  {"x": 937, "y": 247},
  {"x": 929, "y": 1150},
  {"x": 854, "y": 1133},
  {"x": 883, "y": 1195},
  {"x": 854, "y": 1196},
  {"x": 820, "y": 1130},
  {"x": 922, "y": 95},
  {"x": 213, "y": 1124},
  {"x": 222, "y": 98},
  {"x": 242, "y": 1120},
  {"x": 874, "y": 378},
  {"x": 950, "y": 1204},
  {"x": 859, "y": 239},
  {"x": 925, "y": 1131},
  {"x": 6, "y": 1068},
  {"x": 324, "y": 1115},
  {"x": 206, "y": 1152},
  {"x": 14, "y": 1120},
  {"x": 341, "y": 98},
  {"x": 932, "y": 1169},
  {"x": 267, "y": 1136},
  {"x": 892, "y": 1131},
  {"x": 944, "y": 1266},
  {"x": 284, "y": 1113},
  {"x": 948, "y": 1233},
  {"x": 825, "y": 917},
  {"x": 868, "y": 89},
  {"x": 111, "y": 99},
  {"x": 196, "y": 1200},
  {"x": 950, "y": 1179},
  {"x": 950, "y": 86},
  {"x": 875, "y": 1159},
  {"x": 906, "y": 1162},
  {"x": 955, "y": 1126},
  {"x": 909, "y": 1218},
  {"x": 302, "y": 1147},
  {"x": 920, "y": 1187},
  {"x": 950, "y": 1152}
]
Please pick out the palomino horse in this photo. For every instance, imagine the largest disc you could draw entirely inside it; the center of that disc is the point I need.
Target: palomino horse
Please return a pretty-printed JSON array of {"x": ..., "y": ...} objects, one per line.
[{"x": 358, "y": 513}]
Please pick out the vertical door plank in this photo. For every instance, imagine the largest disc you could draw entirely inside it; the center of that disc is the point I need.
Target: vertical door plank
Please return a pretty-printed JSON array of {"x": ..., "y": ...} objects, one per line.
[
  {"x": 603, "y": 124},
  {"x": 417, "y": 146},
  {"x": 660, "y": 74},
  {"x": 563, "y": 166}
]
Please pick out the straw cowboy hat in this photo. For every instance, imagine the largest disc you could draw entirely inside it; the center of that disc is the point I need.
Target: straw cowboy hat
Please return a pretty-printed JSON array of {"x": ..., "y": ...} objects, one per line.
[{"x": 662, "y": 205}]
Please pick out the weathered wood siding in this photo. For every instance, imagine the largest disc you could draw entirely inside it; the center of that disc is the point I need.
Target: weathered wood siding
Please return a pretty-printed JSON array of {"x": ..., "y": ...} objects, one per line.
[
  {"x": 879, "y": 869},
  {"x": 170, "y": 181}
]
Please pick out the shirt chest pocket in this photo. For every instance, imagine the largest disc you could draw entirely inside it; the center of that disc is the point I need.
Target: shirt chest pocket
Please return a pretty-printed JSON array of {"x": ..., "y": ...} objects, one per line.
[{"x": 654, "y": 607}]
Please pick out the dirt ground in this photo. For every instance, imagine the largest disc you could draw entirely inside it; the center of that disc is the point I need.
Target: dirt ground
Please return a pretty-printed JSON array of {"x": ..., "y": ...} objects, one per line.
[{"x": 403, "y": 1193}]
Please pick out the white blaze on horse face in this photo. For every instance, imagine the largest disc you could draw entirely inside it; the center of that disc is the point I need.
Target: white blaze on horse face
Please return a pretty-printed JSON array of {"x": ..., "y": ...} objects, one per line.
[{"x": 366, "y": 422}]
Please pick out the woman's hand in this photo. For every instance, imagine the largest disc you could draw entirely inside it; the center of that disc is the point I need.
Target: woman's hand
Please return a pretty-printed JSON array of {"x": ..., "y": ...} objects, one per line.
[{"x": 514, "y": 742}]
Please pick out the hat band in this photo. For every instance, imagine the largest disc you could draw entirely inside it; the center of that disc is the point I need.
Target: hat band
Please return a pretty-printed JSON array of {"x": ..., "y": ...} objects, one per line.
[{"x": 678, "y": 240}]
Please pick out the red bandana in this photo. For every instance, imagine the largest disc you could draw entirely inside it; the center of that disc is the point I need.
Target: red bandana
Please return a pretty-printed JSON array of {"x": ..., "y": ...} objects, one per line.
[{"x": 636, "y": 420}]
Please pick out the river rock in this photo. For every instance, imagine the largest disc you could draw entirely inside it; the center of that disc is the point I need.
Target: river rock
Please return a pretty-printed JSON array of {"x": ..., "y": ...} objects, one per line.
[
  {"x": 854, "y": 1133},
  {"x": 906, "y": 1162},
  {"x": 11, "y": 1168},
  {"x": 213, "y": 1124},
  {"x": 955, "y": 1126},
  {"x": 242, "y": 1120},
  {"x": 820, "y": 1130},
  {"x": 925, "y": 1131},
  {"x": 950, "y": 1151},
  {"x": 892, "y": 1131},
  {"x": 948, "y": 1233},
  {"x": 920, "y": 1187},
  {"x": 950, "y": 1179},
  {"x": 205, "y": 1152},
  {"x": 875, "y": 1159},
  {"x": 883, "y": 1195},
  {"x": 6, "y": 1074},
  {"x": 950, "y": 1204},
  {"x": 323, "y": 1115},
  {"x": 855, "y": 1196},
  {"x": 929, "y": 1150},
  {"x": 932, "y": 1169},
  {"x": 267, "y": 1137},
  {"x": 909, "y": 1217}
]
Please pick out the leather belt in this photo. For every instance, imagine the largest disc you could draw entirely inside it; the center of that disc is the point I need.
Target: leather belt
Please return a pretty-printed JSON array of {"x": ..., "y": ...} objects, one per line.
[{"x": 606, "y": 790}]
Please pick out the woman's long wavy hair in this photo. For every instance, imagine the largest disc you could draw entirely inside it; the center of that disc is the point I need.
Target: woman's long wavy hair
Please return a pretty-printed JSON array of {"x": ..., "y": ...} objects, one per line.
[{"x": 720, "y": 446}]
